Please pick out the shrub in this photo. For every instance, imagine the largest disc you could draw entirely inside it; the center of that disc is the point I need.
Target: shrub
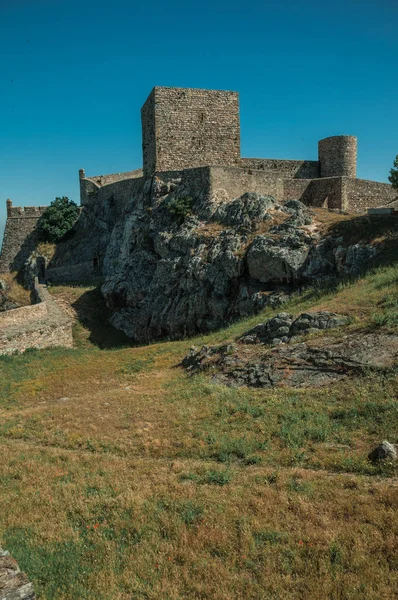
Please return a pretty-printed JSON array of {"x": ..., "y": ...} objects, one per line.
[
  {"x": 58, "y": 219},
  {"x": 180, "y": 207},
  {"x": 217, "y": 477}
]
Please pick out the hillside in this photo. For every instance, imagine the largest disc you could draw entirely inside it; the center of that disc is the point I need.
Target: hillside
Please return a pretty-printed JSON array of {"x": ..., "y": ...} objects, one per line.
[{"x": 123, "y": 476}]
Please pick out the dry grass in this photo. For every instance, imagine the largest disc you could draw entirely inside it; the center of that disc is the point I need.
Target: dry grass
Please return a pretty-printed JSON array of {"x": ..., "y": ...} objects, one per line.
[
  {"x": 123, "y": 478},
  {"x": 16, "y": 293}
]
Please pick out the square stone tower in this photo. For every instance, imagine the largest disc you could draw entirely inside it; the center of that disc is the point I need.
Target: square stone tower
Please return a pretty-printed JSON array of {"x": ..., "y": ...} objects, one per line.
[{"x": 184, "y": 128}]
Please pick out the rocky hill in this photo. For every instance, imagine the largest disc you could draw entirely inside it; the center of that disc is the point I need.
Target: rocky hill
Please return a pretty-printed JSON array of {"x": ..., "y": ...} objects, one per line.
[
  {"x": 187, "y": 267},
  {"x": 177, "y": 264}
]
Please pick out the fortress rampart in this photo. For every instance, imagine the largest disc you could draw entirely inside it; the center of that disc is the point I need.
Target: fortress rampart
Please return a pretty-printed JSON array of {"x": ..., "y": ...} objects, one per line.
[{"x": 193, "y": 135}]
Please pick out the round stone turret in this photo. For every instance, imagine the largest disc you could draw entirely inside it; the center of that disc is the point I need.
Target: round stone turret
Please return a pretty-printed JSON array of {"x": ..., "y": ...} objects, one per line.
[{"x": 338, "y": 156}]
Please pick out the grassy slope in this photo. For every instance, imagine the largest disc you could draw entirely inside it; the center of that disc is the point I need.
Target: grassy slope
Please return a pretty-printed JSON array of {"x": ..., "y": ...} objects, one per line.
[{"x": 123, "y": 478}]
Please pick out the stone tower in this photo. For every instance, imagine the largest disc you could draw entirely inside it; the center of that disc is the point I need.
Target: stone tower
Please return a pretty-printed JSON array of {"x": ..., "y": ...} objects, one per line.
[
  {"x": 338, "y": 156},
  {"x": 184, "y": 128}
]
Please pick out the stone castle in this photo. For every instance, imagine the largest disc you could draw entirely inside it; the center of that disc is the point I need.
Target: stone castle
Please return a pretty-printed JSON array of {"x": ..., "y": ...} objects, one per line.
[{"x": 193, "y": 135}]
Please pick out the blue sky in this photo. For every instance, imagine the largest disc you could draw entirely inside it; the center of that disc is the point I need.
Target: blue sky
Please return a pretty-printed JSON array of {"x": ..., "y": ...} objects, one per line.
[{"x": 74, "y": 75}]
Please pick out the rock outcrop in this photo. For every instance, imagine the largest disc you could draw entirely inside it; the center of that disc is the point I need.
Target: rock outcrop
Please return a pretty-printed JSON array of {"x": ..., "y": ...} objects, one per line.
[
  {"x": 14, "y": 585},
  {"x": 259, "y": 359},
  {"x": 284, "y": 326},
  {"x": 177, "y": 263}
]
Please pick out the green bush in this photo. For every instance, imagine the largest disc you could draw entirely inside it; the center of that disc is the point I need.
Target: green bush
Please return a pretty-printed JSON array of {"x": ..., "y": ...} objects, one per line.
[
  {"x": 58, "y": 219},
  {"x": 180, "y": 207}
]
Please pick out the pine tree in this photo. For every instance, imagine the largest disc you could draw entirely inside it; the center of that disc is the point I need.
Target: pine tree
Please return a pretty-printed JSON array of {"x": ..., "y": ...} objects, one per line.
[{"x": 393, "y": 178}]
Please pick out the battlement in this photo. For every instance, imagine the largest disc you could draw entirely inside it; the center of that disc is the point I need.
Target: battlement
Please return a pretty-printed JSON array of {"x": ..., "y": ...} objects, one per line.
[{"x": 24, "y": 212}]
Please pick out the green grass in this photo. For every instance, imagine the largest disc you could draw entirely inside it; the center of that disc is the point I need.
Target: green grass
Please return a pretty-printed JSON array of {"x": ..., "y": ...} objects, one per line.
[{"x": 122, "y": 477}]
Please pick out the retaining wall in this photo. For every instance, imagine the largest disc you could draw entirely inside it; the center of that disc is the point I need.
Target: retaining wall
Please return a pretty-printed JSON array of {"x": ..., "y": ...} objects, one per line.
[
  {"x": 41, "y": 325},
  {"x": 81, "y": 272}
]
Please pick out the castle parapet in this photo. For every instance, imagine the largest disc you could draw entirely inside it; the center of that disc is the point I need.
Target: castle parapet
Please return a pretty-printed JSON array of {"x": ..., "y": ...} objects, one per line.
[{"x": 25, "y": 212}]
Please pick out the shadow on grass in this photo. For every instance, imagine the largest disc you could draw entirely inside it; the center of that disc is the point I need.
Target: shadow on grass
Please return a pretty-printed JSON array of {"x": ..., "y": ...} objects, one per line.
[
  {"x": 367, "y": 229},
  {"x": 94, "y": 315}
]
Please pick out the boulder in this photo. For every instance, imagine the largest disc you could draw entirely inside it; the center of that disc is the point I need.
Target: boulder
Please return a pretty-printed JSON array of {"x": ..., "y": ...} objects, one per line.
[
  {"x": 311, "y": 322},
  {"x": 278, "y": 261},
  {"x": 283, "y": 326},
  {"x": 384, "y": 451},
  {"x": 301, "y": 365},
  {"x": 246, "y": 210}
]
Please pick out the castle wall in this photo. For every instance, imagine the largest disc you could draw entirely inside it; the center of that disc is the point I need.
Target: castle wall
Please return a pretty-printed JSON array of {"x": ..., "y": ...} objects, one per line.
[
  {"x": 80, "y": 256},
  {"x": 360, "y": 194},
  {"x": 102, "y": 180},
  {"x": 186, "y": 128},
  {"x": 41, "y": 325},
  {"x": 194, "y": 182},
  {"x": 300, "y": 169},
  {"x": 20, "y": 236},
  {"x": 236, "y": 181},
  {"x": 345, "y": 193},
  {"x": 294, "y": 189},
  {"x": 149, "y": 133},
  {"x": 80, "y": 272},
  {"x": 326, "y": 192}
]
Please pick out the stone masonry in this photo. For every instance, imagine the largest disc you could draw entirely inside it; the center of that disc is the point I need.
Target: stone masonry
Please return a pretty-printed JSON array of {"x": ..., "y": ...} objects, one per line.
[
  {"x": 185, "y": 131},
  {"x": 41, "y": 325},
  {"x": 193, "y": 135},
  {"x": 183, "y": 128},
  {"x": 20, "y": 236}
]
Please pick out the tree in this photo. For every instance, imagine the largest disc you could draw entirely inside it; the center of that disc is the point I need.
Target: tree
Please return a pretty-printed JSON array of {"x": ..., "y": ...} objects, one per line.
[
  {"x": 58, "y": 219},
  {"x": 393, "y": 178}
]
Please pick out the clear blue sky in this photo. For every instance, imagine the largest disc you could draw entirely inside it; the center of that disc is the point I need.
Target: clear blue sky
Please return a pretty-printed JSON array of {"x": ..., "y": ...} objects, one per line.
[{"x": 74, "y": 74}]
